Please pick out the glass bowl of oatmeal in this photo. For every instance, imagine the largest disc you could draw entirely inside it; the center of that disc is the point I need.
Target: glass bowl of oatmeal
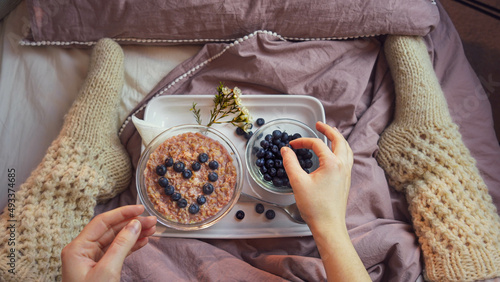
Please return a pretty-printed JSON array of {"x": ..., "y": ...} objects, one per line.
[
  {"x": 189, "y": 177},
  {"x": 263, "y": 157}
]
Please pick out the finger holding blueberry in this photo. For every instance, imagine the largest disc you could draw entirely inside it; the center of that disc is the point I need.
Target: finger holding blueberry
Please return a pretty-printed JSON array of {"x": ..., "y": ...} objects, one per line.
[{"x": 270, "y": 162}]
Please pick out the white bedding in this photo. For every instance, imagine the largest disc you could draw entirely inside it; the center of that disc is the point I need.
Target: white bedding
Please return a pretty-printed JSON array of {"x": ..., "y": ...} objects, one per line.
[{"x": 39, "y": 84}]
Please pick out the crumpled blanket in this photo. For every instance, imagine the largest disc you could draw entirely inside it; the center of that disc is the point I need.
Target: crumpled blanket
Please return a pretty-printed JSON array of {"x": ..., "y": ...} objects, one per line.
[{"x": 352, "y": 80}]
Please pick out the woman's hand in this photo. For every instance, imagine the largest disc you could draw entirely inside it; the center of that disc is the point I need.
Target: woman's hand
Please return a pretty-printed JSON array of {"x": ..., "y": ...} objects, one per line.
[
  {"x": 98, "y": 252},
  {"x": 322, "y": 195},
  {"x": 322, "y": 200}
]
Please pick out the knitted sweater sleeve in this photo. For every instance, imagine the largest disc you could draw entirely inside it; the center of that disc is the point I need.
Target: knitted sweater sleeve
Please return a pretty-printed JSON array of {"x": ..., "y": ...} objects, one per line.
[
  {"x": 85, "y": 164},
  {"x": 423, "y": 156}
]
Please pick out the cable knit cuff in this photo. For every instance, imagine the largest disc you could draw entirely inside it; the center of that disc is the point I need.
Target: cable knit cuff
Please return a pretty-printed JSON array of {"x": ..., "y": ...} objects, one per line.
[{"x": 453, "y": 214}]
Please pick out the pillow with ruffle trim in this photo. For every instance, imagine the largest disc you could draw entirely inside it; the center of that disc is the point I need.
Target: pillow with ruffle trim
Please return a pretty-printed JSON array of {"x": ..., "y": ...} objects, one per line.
[{"x": 171, "y": 22}]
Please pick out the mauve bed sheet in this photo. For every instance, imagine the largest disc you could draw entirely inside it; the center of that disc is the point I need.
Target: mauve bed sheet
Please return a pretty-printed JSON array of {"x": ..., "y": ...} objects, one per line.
[{"x": 352, "y": 80}]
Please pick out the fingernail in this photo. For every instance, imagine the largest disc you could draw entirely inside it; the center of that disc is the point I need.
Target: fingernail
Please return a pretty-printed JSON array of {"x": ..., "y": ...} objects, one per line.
[{"x": 134, "y": 226}]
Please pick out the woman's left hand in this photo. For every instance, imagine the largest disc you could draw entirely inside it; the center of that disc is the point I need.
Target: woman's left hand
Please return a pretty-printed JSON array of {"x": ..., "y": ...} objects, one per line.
[{"x": 98, "y": 252}]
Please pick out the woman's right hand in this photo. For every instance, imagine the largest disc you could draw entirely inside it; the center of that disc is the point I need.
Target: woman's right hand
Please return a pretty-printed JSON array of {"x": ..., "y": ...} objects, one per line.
[
  {"x": 322, "y": 200},
  {"x": 321, "y": 195}
]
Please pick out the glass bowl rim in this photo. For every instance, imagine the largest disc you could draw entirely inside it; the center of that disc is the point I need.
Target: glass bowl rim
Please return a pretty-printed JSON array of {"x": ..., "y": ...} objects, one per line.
[{"x": 252, "y": 171}]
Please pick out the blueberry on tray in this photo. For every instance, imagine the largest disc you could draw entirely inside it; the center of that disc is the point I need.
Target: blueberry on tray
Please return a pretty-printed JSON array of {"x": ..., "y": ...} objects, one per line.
[
  {"x": 270, "y": 214},
  {"x": 260, "y": 122},
  {"x": 259, "y": 208},
  {"x": 240, "y": 214}
]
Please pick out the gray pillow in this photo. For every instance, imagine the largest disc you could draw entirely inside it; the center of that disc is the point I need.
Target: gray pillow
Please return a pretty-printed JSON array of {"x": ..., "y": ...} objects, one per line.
[{"x": 167, "y": 22}]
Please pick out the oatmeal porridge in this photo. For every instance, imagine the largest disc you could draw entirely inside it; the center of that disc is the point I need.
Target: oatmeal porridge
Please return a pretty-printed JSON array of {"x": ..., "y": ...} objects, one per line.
[{"x": 190, "y": 178}]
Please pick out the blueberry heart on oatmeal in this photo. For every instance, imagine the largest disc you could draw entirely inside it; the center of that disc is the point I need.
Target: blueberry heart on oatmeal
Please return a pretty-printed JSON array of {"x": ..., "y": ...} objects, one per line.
[{"x": 190, "y": 178}]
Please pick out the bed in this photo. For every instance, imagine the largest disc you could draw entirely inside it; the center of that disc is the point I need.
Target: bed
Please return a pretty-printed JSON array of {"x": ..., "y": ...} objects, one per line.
[{"x": 336, "y": 57}]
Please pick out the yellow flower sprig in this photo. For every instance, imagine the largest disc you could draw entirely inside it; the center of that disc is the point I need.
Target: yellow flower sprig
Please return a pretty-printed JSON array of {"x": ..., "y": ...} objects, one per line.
[{"x": 227, "y": 102}]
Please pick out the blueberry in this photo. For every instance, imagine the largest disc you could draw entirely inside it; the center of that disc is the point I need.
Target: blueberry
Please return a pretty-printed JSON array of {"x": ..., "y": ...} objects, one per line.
[
  {"x": 278, "y": 182},
  {"x": 269, "y": 163},
  {"x": 268, "y": 177},
  {"x": 284, "y": 137},
  {"x": 277, "y": 134},
  {"x": 269, "y": 155},
  {"x": 275, "y": 149},
  {"x": 308, "y": 154},
  {"x": 272, "y": 171},
  {"x": 179, "y": 166},
  {"x": 212, "y": 176},
  {"x": 270, "y": 214},
  {"x": 240, "y": 214},
  {"x": 259, "y": 208},
  {"x": 260, "y": 153},
  {"x": 296, "y": 136},
  {"x": 260, "y": 121},
  {"x": 286, "y": 182},
  {"x": 176, "y": 196},
  {"x": 302, "y": 152},
  {"x": 201, "y": 200},
  {"x": 268, "y": 138},
  {"x": 308, "y": 163},
  {"x": 263, "y": 169},
  {"x": 240, "y": 131},
  {"x": 248, "y": 134},
  {"x": 196, "y": 166},
  {"x": 169, "y": 190},
  {"x": 182, "y": 203},
  {"x": 169, "y": 162},
  {"x": 276, "y": 141},
  {"x": 278, "y": 155},
  {"x": 307, "y": 170},
  {"x": 213, "y": 165},
  {"x": 264, "y": 144},
  {"x": 302, "y": 163},
  {"x": 203, "y": 157},
  {"x": 280, "y": 172},
  {"x": 194, "y": 208},
  {"x": 187, "y": 173},
  {"x": 163, "y": 182},
  {"x": 161, "y": 170},
  {"x": 278, "y": 163},
  {"x": 260, "y": 162},
  {"x": 208, "y": 189}
]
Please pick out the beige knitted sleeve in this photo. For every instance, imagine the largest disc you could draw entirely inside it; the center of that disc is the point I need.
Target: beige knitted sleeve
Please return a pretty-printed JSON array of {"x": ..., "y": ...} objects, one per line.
[
  {"x": 85, "y": 164},
  {"x": 423, "y": 156}
]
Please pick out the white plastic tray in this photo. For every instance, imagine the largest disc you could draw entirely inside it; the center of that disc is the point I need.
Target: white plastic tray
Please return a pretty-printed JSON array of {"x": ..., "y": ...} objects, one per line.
[{"x": 173, "y": 110}]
